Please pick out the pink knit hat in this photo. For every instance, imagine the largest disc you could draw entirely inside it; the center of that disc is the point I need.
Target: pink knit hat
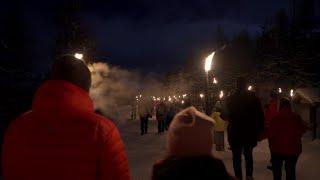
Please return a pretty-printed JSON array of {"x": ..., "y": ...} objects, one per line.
[{"x": 190, "y": 134}]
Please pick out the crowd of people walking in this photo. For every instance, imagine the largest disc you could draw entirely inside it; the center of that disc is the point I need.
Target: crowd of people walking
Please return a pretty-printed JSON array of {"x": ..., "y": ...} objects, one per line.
[{"x": 61, "y": 137}]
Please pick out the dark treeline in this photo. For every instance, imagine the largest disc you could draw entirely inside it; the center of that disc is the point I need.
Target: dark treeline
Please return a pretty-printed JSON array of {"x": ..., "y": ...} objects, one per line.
[{"x": 284, "y": 53}]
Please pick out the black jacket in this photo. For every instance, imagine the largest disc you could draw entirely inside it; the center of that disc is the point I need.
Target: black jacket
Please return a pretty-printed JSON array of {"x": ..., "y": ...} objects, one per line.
[{"x": 246, "y": 118}]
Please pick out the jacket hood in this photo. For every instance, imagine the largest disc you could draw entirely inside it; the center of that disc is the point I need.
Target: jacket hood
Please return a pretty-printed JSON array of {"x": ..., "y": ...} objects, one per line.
[{"x": 61, "y": 96}]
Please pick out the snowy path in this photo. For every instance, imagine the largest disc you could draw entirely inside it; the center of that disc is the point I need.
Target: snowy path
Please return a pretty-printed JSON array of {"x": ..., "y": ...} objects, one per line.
[{"x": 143, "y": 151}]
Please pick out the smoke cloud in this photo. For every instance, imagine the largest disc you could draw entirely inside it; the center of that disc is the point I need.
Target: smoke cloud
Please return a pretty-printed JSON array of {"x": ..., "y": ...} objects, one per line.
[{"x": 114, "y": 90}]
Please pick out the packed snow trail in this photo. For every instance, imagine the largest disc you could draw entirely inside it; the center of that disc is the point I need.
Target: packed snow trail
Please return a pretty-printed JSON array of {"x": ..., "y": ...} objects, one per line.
[{"x": 144, "y": 151}]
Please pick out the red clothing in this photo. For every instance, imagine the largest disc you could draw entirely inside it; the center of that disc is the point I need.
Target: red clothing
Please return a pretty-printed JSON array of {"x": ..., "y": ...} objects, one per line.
[
  {"x": 271, "y": 111},
  {"x": 62, "y": 138},
  {"x": 285, "y": 133}
]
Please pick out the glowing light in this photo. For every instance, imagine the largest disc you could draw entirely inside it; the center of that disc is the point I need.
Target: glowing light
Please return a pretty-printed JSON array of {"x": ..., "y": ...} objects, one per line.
[
  {"x": 201, "y": 95},
  {"x": 78, "y": 56},
  {"x": 250, "y": 88},
  {"x": 169, "y": 99},
  {"x": 291, "y": 93},
  {"x": 221, "y": 94},
  {"x": 179, "y": 96},
  {"x": 280, "y": 90},
  {"x": 215, "y": 81},
  {"x": 184, "y": 96},
  {"x": 158, "y": 99},
  {"x": 182, "y": 102},
  {"x": 208, "y": 62},
  {"x": 140, "y": 95},
  {"x": 136, "y": 97}
]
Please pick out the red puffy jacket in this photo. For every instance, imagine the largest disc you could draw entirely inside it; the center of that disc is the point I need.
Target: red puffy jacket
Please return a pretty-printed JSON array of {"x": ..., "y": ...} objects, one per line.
[
  {"x": 271, "y": 111},
  {"x": 285, "y": 133},
  {"x": 62, "y": 138}
]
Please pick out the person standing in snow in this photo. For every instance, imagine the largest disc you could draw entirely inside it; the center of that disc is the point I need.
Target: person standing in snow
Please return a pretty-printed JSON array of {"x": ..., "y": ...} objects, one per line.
[
  {"x": 61, "y": 137},
  {"x": 284, "y": 133},
  {"x": 161, "y": 112},
  {"x": 219, "y": 127},
  {"x": 170, "y": 116},
  {"x": 270, "y": 112},
  {"x": 144, "y": 111},
  {"x": 189, "y": 150},
  {"x": 246, "y": 123}
]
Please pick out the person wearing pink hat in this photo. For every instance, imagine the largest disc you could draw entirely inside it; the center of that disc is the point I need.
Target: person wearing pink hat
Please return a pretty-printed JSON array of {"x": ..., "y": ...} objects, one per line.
[{"x": 189, "y": 150}]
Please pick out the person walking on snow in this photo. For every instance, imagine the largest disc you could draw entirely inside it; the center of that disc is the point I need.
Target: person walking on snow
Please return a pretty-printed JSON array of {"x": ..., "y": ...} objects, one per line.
[
  {"x": 246, "y": 123},
  {"x": 61, "y": 137},
  {"x": 284, "y": 133}
]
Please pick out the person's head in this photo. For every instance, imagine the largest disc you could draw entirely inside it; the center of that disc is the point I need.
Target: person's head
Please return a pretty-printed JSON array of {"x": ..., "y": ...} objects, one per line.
[
  {"x": 274, "y": 94},
  {"x": 285, "y": 103},
  {"x": 70, "y": 69},
  {"x": 241, "y": 84},
  {"x": 190, "y": 134},
  {"x": 218, "y": 107}
]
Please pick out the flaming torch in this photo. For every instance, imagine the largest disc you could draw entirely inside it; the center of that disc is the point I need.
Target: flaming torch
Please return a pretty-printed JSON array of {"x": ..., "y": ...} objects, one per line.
[
  {"x": 78, "y": 56},
  {"x": 221, "y": 94},
  {"x": 208, "y": 62},
  {"x": 207, "y": 68},
  {"x": 215, "y": 81}
]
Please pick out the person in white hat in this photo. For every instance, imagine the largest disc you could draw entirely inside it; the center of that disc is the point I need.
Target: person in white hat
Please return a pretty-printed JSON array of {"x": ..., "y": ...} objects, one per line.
[{"x": 189, "y": 149}]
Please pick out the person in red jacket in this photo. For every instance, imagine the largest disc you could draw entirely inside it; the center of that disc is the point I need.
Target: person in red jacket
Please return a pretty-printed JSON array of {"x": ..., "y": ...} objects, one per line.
[
  {"x": 270, "y": 112},
  {"x": 61, "y": 137},
  {"x": 285, "y": 132},
  {"x": 272, "y": 108}
]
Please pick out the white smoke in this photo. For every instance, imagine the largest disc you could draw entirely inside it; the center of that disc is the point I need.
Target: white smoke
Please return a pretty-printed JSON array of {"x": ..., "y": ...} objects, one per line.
[{"x": 112, "y": 91}]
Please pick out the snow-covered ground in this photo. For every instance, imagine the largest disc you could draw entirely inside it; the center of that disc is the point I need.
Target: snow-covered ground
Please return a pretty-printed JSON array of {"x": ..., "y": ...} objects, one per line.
[{"x": 143, "y": 151}]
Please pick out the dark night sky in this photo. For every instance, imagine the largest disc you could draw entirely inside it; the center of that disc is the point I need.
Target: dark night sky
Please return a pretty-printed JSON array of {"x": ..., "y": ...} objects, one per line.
[{"x": 147, "y": 34}]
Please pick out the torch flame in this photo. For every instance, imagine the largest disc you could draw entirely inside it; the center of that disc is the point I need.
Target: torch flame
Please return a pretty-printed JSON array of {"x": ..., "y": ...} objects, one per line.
[
  {"x": 78, "y": 56},
  {"x": 208, "y": 62},
  {"x": 215, "y": 81},
  {"x": 221, "y": 94}
]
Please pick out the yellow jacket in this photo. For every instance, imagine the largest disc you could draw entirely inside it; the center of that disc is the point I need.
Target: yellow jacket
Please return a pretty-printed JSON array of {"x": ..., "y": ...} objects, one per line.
[{"x": 220, "y": 123}]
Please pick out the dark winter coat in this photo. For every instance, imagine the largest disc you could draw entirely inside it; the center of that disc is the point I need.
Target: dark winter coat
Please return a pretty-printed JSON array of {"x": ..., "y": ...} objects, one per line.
[
  {"x": 190, "y": 168},
  {"x": 285, "y": 133},
  {"x": 62, "y": 138},
  {"x": 161, "y": 111},
  {"x": 246, "y": 118}
]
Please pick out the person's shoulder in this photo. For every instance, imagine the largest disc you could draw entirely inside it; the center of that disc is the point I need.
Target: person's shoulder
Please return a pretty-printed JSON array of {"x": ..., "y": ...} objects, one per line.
[
  {"x": 21, "y": 119},
  {"x": 101, "y": 121},
  {"x": 20, "y": 122},
  {"x": 104, "y": 127}
]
